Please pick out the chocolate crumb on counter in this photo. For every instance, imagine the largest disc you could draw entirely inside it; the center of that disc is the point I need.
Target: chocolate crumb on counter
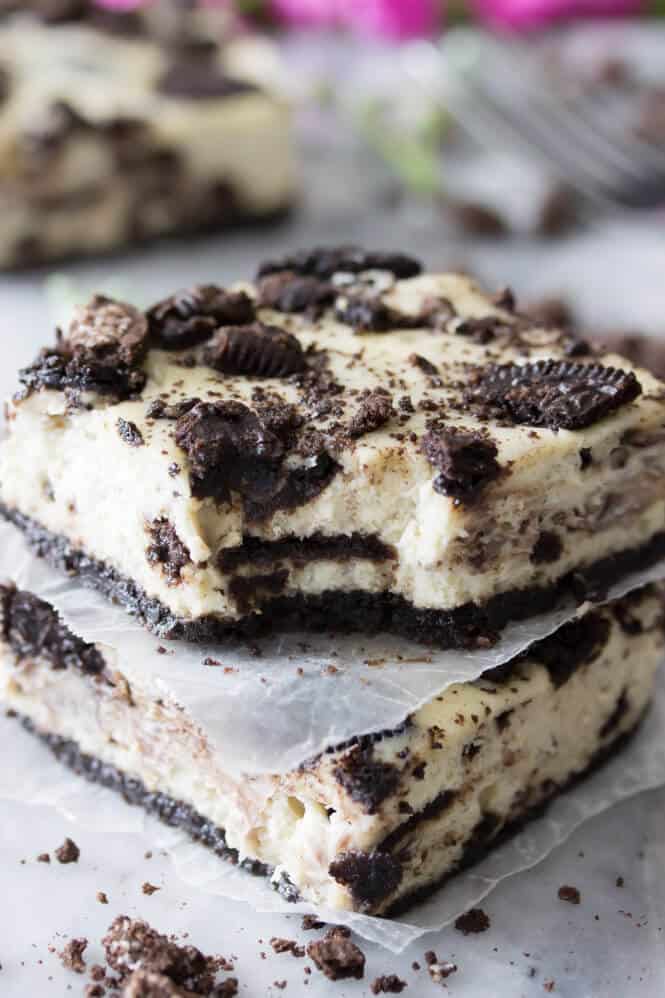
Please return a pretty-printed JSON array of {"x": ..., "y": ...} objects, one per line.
[
  {"x": 43, "y": 858},
  {"x": 310, "y": 922},
  {"x": 336, "y": 956},
  {"x": 619, "y": 882},
  {"x": 149, "y": 889},
  {"x": 440, "y": 970},
  {"x": 102, "y": 897},
  {"x": 473, "y": 921},
  {"x": 388, "y": 984},
  {"x": 570, "y": 894},
  {"x": 72, "y": 955},
  {"x": 68, "y": 852},
  {"x": 287, "y": 946}
]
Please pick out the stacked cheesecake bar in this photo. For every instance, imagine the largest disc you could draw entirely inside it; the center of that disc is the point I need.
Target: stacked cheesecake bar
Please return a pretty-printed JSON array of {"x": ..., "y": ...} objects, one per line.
[
  {"x": 111, "y": 133},
  {"x": 344, "y": 444}
]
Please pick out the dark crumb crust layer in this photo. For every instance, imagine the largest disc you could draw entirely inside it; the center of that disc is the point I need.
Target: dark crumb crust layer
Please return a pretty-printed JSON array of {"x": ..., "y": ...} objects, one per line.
[
  {"x": 180, "y": 815},
  {"x": 462, "y": 627}
]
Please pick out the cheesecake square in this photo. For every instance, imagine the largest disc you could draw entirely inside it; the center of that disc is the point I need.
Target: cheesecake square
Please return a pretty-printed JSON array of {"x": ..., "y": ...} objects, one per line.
[
  {"x": 120, "y": 128},
  {"x": 379, "y": 822},
  {"x": 344, "y": 443}
]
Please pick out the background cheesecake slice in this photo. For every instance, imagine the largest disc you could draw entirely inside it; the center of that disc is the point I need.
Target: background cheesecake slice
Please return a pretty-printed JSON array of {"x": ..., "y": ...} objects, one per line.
[
  {"x": 347, "y": 444},
  {"x": 378, "y": 822},
  {"x": 109, "y": 138}
]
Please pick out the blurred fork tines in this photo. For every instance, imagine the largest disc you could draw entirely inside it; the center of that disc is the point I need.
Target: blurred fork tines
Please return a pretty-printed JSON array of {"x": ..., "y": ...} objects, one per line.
[{"x": 501, "y": 93}]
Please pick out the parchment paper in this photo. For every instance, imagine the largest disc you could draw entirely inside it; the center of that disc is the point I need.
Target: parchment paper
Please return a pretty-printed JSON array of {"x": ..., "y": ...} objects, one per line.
[{"x": 303, "y": 693}]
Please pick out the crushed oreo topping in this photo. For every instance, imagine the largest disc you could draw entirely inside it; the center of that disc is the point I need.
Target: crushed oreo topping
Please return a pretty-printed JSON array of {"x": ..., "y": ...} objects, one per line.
[
  {"x": 130, "y": 433},
  {"x": 557, "y": 394},
  {"x": 167, "y": 550},
  {"x": 336, "y": 956},
  {"x": 370, "y": 877},
  {"x": 374, "y": 411},
  {"x": 286, "y": 291},
  {"x": 190, "y": 317},
  {"x": 257, "y": 350},
  {"x": 466, "y": 462},
  {"x": 324, "y": 262},
  {"x": 159, "y": 409},
  {"x": 102, "y": 352},
  {"x": 483, "y": 330}
]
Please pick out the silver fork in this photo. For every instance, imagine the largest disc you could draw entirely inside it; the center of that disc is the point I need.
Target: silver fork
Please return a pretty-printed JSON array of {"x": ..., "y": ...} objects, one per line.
[{"x": 499, "y": 92}]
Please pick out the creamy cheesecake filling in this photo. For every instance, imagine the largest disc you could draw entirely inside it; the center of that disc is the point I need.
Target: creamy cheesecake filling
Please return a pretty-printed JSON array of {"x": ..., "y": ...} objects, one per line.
[
  {"x": 340, "y": 432},
  {"x": 411, "y": 804},
  {"x": 445, "y": 557}
]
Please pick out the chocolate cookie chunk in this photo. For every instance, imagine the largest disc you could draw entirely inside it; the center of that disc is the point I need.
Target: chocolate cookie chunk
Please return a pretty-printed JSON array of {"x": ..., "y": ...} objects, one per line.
[
  {"x": 366, "y": 779},
  {"x": 287, "y": 291},
  {"x": 370, "y": 877},
  {"x": 111, "y": 329},
  {"x": 466, "y": 462},
  {"x": 373, "y": 412},
  {"x": 323, "y": 262},
  {"x": 229, "y": 449},
  {"x": 259, "y": 350},
  {"x": 130, "y": 433},
  {"x": 201, "y": 81},
  {"x": 336, "y": 956},
  {"x": 554, "y": 393},
  {"x": 167, "y": 550},
  {"x": 190, "y": 317}
]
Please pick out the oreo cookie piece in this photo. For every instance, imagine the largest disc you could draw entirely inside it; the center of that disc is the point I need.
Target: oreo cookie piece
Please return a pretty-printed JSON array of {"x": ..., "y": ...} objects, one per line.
[
  {"x": 323, "y": 262},
  {"x": 287, "y": 291},
  {"x": 103, "y": 351},
  {"x": 190, "y": 316},
  {"x": 466, "y": 462},
  {"x": 258, "y": 350},
  {"x": 200, "y": 81},
  {"x": 229, "y": 449},
  {"x": 557, "y": 394}
]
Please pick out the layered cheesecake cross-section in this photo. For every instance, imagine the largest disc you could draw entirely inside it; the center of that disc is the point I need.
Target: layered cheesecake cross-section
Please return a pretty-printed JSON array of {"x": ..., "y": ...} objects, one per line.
[
  {"x": 344, "y": 444},
  {"x": 111, "y": 134},
  {"x": 376, "y": 823}
]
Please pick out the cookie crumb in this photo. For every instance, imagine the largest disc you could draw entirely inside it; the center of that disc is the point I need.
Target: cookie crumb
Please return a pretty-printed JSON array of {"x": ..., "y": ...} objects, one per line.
[
  {"x": 102, "y": 898},
  {"x": 71, "y": 955},
  {"x": 570, "y": 894},
  {"x": 388, "y": 984},
  {"x": 287, "y": 946},
  {"x": 43, "y": 858},
  {"x": 310, "y": 922},
  {"x": 68, "y": 852},
  {"x": 619, "y": 882},
  {"x": 336, "y": 956},
  {"x": 149, "y": 889},
  {"x": 473, "y": 921}
]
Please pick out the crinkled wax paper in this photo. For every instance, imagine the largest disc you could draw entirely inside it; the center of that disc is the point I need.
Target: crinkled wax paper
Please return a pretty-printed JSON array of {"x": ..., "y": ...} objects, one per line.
[
  {"x": 35, "y": 777},
  {"x": 302, "y": 693}
]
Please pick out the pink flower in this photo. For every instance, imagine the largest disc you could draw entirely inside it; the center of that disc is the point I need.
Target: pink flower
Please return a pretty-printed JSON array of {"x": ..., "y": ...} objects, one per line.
[
  {"x": 386, "y": 18},
  {"x": 526, "y": 14}
]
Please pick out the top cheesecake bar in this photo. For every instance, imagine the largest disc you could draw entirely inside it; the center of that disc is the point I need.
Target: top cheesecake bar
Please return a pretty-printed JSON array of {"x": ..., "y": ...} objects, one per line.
[{"x": 344, "y": 444}]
